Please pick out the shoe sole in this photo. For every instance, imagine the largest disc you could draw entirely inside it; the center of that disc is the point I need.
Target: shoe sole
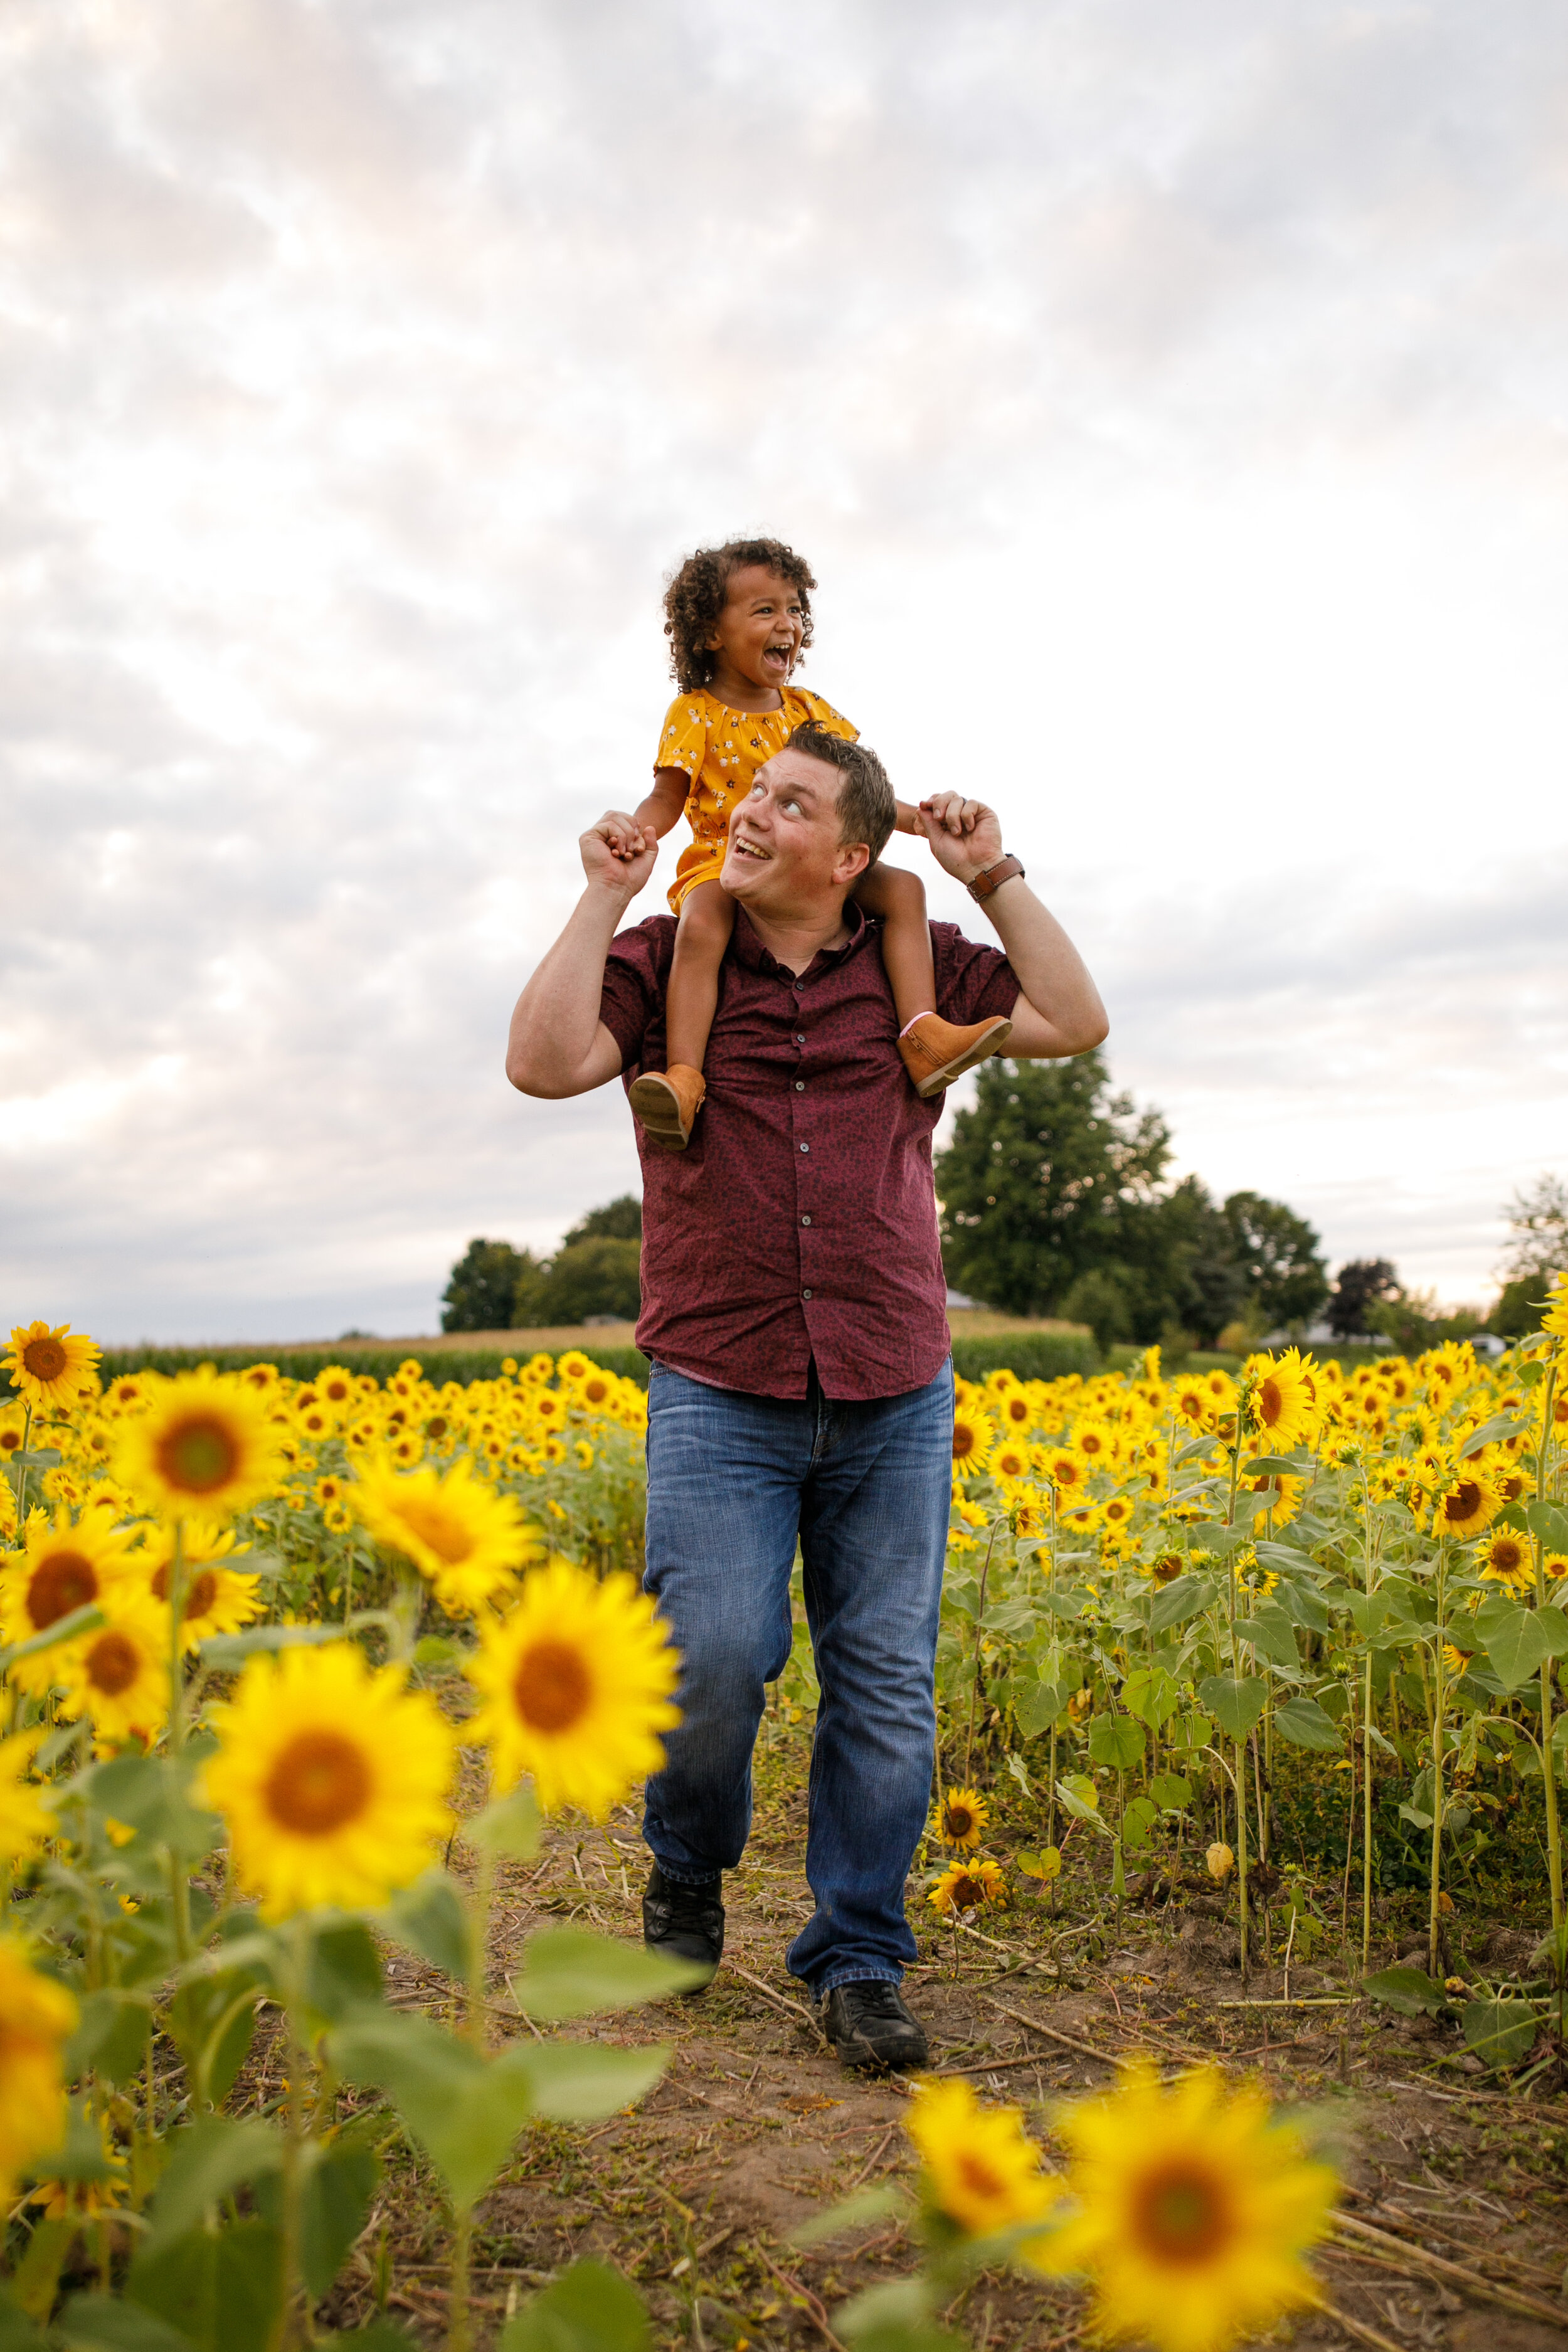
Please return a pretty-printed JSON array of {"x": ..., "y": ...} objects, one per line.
[
  {"x": 995, "y": 1038},
  {"x": 872, "y": 2065},
  {"x": 687, "y": 1992},
  {"x": 658, "y": 1106}
]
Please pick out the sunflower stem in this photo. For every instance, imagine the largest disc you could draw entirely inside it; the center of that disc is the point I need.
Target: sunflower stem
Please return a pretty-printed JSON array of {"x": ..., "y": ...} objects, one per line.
[
  {"x": 1549, "y": 1769},
  {"x": 1440, "y": 1697},
  {"x": 457, "y": 2309},
  {"x": 22, "y": 1481},
  {"x": 176, "y": 1641},
  {"x": 289, "y": 2328}
]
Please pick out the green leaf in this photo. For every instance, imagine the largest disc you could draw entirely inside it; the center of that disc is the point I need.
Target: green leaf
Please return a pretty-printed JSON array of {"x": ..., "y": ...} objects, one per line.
[
  {"x": 1079, "y": 1796},
  {"x": 1272, "y": 1632},
  {"x": 510, "y": 1826},
  {"x": 1501, "y": 2032},
  {"x": 222, "y": 2289},
  {"x": 1502, "y": 1425},
  {"x": 1174, "y": 1604},
  {"x": 151, "y": 1794},
  {"x": 111, "y": 2037},
  {"x": 37, "y": 2277},
  {"x": 1192, "y": 1731},
  {"x": 589, "y": 2308},
  {"x": 1117, "y": 1740},
  {"x": 345, "y": 1972},
  {"x": 428, "y": 1918},
  {"x": 1151, "y": 1693},
  {"x": 380, "y": 2334},
  {"x": 435, "y": 1650},
  {"x": 1170, "y": 1792},
  {"x": 98, "y": 2323},
  {"x": 582, "y": 2081},
  {"x": 1549, "y": 1522},
  {"x": 1517, "y": 1645},
  {"x": 1036, "y": 1706},
  {"x": 207, "y": 2162},
  {"x": 1234, "y": 1706},
  {"x": 1047, "y": 1863},
  {"x": 228, "y": 1652},
  {"x": 849, "y": 2213},
  {"x": 1300, "y": 1601},
  {"x": 1138, "y": 1820},
  {"x": 339, "y": 2181},
  {"x": 895, "y": 2318},
  {"x": 568, "y": 1973},
  {"x": 80, "y": 2155},
  {"x": 1409, "y": 1991},
  {"x": 76, "y": 1621},
  {"x": 1303, "y": 1722},
  {"x": 1278, "y": 1466}
]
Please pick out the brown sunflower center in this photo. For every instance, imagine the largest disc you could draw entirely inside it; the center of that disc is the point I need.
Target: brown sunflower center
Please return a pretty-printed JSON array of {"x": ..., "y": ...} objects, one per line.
[
  {"x": 963, "y": 1441},
  {"x": 319, "y": 1783},
  {"x": 958, "y": 1821},
  {"x": 551, "y": 1688},
  {"x": 1508, "y": 1554},
  {"x": 1167, "y": 1568},
  {"x": 977, "y": 2176},
  {"x": 1180, "y": 2214},
  {"x": 1270, "y": 1403},
  {"x": 1464, "y": 1502},
  {"x": 437, "y": 1425},
  {"x": 198, "y": 1455},
  {"x": 968, "y": 1893},
  {"x": 45, "y": 1359},
  {"x": 63, "y": 1581},
  {"x": 439, "y": 1528},
  {"x": 112, "y": 1662},
  {"x": 202, "y": 1594},
  {"x": 595, "y": 1391}
]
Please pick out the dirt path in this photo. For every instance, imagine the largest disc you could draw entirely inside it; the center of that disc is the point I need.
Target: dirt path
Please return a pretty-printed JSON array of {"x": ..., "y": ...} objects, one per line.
[{"x": 697, "y": 2193}]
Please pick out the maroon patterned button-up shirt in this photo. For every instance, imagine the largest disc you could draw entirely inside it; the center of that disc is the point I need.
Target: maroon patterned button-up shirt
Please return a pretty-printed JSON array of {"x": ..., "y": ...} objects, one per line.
[{"x": 801, "y": 1220}]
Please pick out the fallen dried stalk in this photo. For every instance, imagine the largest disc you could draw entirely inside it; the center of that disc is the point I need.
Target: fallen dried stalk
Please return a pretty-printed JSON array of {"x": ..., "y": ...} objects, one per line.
[
  {"x": 790, "y": 2008},
  {"x": 815, "y": 2309},
  {"x": 1069, "y": 2042},
  {"x": 1358, "y": 2328},
  {"x": 1511, "y": 2298}
]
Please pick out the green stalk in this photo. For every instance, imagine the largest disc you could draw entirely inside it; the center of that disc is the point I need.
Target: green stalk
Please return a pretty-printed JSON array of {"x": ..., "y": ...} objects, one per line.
[
  {"x": 1549, "y": 1769},
  {"x": 1240, "y": 1776},
  {"x": 1440, "y": 1697},
  {"x": 179, "y": 1883},
  {"x": 22, "y": 1481},
  {"x": 1366, "y": 1743},
  {"x": 287, "y": 2330}
]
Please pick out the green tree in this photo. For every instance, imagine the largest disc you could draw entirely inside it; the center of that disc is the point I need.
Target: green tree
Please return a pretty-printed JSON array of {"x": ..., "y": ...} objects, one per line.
[
  {"x": 618, "y": 1221},
  {"x": 597, "y": 1277},
  {"x": 1040, "y": 1177},
  {"x": 1279, "y": 1257},
  {"x": 1537, "y": 1249},
  {"x": 482, "y": 1285}
]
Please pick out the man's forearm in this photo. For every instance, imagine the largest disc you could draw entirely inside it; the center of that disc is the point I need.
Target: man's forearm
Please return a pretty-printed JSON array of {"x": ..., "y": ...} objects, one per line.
[
  {"x": 555, "y": 1044},
  {"x": 1051, "y": 972}
]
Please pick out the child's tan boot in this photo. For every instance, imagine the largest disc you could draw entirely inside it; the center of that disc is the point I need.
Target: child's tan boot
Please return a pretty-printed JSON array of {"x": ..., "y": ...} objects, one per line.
[
  {"x": 667, "y": 1102},
  {"x": 936, "y": 1052}
]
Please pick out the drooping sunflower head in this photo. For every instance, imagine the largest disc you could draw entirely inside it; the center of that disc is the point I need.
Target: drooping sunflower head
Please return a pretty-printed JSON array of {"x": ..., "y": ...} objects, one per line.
[
  {"x": 206, "y": 1447},
  {"x": 962, "y": 1817},
  {"x": 1193, "y": 2210},
  {"x": 969, "y": 1886},
  {"x": 60, "y": 1569},
  {"x": 119, "y": 1677},
  {"x": 37, "y": 2018},
  {"x": 50, "y": 1366},
  {"x": 1468, "y": 1501},
  {"x": 457, "y": 1528},
  {"x": 332, "y": 1777},
  {"x": 1506, "y": 1558},
  {"x": 974, "y": 1434},
  {"x": 979, "y": 2172},
  {"x": 577, "y": 1682}
]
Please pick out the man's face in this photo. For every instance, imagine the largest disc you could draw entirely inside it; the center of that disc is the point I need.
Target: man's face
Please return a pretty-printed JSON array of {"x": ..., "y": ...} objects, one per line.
[
  {"x": 785, "y": 855},
  {"x": 760, "y": 629}
]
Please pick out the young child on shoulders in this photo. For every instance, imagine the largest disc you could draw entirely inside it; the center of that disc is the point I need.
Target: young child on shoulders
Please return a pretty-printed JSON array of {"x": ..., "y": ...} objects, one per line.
[{"x": 739, "y": 621}]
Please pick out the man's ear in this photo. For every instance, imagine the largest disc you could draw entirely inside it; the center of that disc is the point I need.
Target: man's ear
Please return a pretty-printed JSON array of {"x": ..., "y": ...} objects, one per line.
[{"x": 853, "y": 860}]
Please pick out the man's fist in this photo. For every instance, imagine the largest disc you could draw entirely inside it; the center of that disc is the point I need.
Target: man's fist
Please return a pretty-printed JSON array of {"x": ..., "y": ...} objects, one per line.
[
  {"x": 619, "y": 852},
  {"x": 965, "y": 836}
]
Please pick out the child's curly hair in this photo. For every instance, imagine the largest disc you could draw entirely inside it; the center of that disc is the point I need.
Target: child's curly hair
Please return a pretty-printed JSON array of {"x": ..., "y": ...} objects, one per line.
[{"x": 695, "y": 598}]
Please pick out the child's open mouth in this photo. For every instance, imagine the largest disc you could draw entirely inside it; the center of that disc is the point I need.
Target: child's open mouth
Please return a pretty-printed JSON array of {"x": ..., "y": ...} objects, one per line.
[{"x": 778, "y": 658}]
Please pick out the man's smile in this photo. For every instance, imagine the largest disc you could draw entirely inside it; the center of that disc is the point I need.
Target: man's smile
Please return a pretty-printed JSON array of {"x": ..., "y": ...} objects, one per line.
[{"x": 742, "y": 846}]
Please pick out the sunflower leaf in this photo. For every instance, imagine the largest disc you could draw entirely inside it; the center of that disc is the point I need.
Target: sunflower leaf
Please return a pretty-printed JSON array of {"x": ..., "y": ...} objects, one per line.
[
  {"x": 568, "y": 1973},
  {"x": 1234, "y": 1704},
  {"x": 589, "y": 2308},
  {"x": 1518, "y": 1644},
  {"x": 1501, "y": 2032},
  {"x": 428, "y": 1918},
  {"x": 1502, "y": 1425},
  {"x": 227, "y": 1650},
  {"x": 510, "y": 1826},
  {"x": 101, "y": 2322},
  {"x": 850, "y": 2213},
  {"x": 207, "y": 2161},
  {"x": 582, "y": 2081},
  {"x": 1303, "y": 1723},
  {"x": 86, "y": 1619}
]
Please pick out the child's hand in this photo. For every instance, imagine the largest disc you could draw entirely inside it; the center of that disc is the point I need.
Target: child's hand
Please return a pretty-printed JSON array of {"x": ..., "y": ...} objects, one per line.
[
  {"x": 622, "y": 834},
  {"x": 620, "y": 851},
  {"x": 965, "y": 836}
]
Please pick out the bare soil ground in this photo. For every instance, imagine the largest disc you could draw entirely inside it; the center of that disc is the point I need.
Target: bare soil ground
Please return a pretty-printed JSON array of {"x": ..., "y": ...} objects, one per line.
[{"x": 697, "y": 2192}]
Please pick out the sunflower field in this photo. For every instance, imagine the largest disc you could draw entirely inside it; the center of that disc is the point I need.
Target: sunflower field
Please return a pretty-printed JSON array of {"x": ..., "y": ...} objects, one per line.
[{"x": 293, "y": 1671}]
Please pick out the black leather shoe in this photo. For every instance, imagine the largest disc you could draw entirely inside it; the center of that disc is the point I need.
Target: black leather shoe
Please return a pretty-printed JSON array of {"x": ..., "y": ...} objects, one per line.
[
  {"x": 684, "y": 1923},
  {"x": 869, "y": 2024}
]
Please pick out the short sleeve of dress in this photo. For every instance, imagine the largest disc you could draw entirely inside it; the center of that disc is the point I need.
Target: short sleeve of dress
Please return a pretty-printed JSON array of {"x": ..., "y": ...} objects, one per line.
[
  {"x": 973, "y": 982},
  {"x": 631, "y": 996},
  {"x": 821, "y": 714},
  {"x": 683, "y": 741}
]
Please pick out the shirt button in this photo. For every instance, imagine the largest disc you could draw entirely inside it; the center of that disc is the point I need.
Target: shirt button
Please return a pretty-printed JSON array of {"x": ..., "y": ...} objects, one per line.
[
  {"x": 800, "y": 1086},
  {"x": 800, "y": 1036},
  {"x": 800, "y": 988},
  {"x": 805, "y": 1221},
  {"x": 805, "y": 1147},
  {"x": 805, "y": 1294}
]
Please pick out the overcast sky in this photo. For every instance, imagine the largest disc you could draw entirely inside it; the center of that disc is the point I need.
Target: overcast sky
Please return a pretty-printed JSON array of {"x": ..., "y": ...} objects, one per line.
[{"x": 1172, "y": 402}]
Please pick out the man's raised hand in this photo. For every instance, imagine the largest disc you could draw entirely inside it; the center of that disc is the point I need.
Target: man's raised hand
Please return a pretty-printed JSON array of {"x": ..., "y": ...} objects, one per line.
[
  {"x": 965, "y": 836},
  {"x": 619, "y": 852}
]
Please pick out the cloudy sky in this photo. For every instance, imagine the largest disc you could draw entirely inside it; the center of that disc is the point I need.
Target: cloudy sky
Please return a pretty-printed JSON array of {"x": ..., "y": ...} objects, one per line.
[{"x": 1172, "y": 402}]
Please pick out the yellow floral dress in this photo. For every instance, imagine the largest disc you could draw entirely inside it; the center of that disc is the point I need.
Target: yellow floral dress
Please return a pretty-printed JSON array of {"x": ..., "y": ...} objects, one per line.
[{"x": 721, "y": 750}]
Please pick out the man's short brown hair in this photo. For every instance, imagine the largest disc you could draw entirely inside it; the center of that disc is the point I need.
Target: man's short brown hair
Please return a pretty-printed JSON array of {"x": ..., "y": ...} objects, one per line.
[{"x": 867, "y": 811}]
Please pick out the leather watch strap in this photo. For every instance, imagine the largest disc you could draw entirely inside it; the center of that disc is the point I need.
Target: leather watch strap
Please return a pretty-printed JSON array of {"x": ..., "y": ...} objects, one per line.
[{"x": 981, "y": 888}]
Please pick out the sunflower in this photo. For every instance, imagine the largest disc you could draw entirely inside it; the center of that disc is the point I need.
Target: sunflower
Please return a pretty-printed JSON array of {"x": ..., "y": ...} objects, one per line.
[
  {"x": 573, "y": 1365},
  {"x": 1284, "y": 1398},
  {"x": 86, "y": 2201},
  {"x": 51, "y": 1367},
  {"x": 1467, "y": 1501},
  {"x": 1505, "y": 1559},
  {"x": 1193, "y": 2210},
  {"x": 1284, "y": 1495},
  {"x": 981, "y": 2173},
  {"x": 26, "y": 1822},
  {"x": 1010, "y": 1459},
  {"x": 337, "y": 1519},
  {"x": 596, "y": 1388},
  {"x": 1064, "y": 1470},
  {"x": 219, "y": 1596},
  {"x": 332, "y": 1778},
  {"x": 1116, "y": 1512},
  {"x": 969, "y": 1886},
  {"x": 1165, "y": 1567},
  {"x": 962, "y": 1817},
  {"x": 37, "y": 2018},
  {"x": 1192, "y": 1404},
  {"x": 457, "y": 1530},
  {"x": 206, "y": 1446},
  {"x": 1096, "y": 1441},
  {"x": 1555, "y": 1318},
  {"x": 62, "y": 1569},
  {"x": 334, "y": 1384},
  {"x": 577, "y": 1682},
  {"x": 973, "y": 1437},
  {"x": 1016, "y": 1409},
  {"x": 120, "y": 1676}
]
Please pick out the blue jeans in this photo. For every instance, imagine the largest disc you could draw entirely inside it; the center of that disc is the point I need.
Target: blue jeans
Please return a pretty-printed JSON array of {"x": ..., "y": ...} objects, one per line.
[{"x": 732, "y": 1481}]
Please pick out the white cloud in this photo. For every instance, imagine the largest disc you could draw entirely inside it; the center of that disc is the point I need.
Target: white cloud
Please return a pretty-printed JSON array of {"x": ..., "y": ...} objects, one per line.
[{"x": 1170, "y": 402}]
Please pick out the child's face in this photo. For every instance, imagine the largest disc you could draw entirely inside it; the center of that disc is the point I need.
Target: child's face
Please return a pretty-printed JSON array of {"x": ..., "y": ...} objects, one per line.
[{"x": 759, "y": 630}]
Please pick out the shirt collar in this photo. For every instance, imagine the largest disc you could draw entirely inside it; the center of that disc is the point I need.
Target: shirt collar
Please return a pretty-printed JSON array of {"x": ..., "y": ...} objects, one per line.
[{"x": 747, "y": 949}]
